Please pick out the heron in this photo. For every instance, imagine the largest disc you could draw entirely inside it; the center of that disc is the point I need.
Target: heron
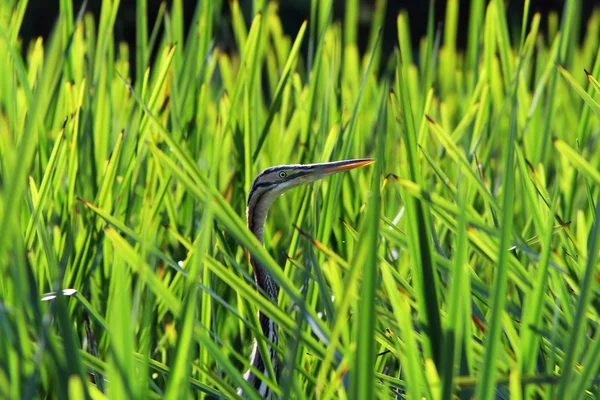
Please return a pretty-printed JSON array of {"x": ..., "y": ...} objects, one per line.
[{"x": 267, "y": 186}]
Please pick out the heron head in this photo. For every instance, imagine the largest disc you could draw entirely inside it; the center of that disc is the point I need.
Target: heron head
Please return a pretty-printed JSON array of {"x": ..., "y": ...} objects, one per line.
[{"x": 274, "y": 181}]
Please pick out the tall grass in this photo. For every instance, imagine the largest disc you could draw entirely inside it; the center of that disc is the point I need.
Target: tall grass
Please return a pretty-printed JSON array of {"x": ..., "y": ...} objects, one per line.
[{"x": 463, "y": 263}]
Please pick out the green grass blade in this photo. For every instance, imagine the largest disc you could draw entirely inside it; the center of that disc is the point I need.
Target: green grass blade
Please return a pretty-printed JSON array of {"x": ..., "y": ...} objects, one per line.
[{"x": 367, "y": 256}]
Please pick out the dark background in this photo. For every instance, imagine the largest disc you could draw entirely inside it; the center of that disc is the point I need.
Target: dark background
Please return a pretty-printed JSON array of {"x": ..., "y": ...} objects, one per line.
[{"x": 41, "y": 16}]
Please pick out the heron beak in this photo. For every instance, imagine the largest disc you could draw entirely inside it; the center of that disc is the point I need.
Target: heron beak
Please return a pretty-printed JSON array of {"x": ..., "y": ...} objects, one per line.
[{"x": 346, "y": 165}]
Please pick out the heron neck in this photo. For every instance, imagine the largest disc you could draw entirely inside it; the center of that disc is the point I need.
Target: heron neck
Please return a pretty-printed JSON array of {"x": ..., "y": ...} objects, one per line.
[{"x": 256, "y": 221}]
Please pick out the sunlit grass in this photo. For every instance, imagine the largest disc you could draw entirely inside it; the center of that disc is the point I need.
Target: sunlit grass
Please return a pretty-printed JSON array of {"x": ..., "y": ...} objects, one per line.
[{"x": 462, "y": 263}]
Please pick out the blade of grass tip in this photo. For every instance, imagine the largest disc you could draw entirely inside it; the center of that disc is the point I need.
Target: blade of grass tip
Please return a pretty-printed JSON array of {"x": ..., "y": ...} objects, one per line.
[
  {"x": 325, "y": 17},
  {"x": 206, "y": 27},
  {"x": 363, "y": 372},
  {"x": 16, "y": 21},
  {"x": 351, "y": 22},
  {"x": 565, "y": 32},
  {"x": 448, "y": 55},
  {"x": 590, "y": 76},
  {"x": 504, "y": 48},
  {"x": 476, "y": 15},
  {"x": 594, "y": 105},
  {"x": 156, "y": 27},
  {"x": 176, "y": 31},
  {"x": 66, "y": 13},
  {"x": 313, "y": 35},
  {"x": 181, "y": 367},
  {"x": 428, "y": 67},
  {"x": 486, "y": 385},
  {"x": 108, "y": 16},
  {"x": 524, "y": 20},
  {"x": 574, "y": 345},
  {"x": 377, "y": 21},
  {"x": 141, "y": 41},
  {"x": 161, "y": 76},
  {"x": 277, "y": 97},
  {"x": 402, "y": 25}
]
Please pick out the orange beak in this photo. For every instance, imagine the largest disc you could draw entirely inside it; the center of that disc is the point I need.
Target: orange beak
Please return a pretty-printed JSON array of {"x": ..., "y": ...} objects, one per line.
[{"x": 346, "y": 165}]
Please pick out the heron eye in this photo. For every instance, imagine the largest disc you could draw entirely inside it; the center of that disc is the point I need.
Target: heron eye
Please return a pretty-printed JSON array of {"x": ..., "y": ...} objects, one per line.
[{"x": 282, "y": 174}]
